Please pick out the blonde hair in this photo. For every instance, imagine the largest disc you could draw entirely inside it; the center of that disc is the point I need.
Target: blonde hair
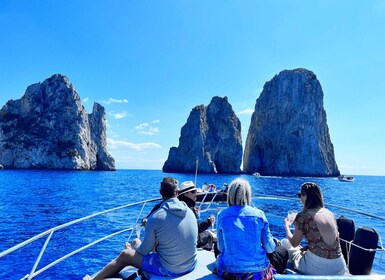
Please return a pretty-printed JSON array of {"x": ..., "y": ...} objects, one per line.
[{"x": 239, "y": 192}]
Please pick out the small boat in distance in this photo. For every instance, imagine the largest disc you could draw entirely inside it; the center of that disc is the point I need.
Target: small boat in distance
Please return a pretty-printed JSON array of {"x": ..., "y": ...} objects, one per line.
[{"x": 344, "y": 178}]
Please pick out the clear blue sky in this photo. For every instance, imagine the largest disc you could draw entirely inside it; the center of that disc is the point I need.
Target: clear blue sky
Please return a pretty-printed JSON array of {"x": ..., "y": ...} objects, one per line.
[{"x": 150, "y": 62}]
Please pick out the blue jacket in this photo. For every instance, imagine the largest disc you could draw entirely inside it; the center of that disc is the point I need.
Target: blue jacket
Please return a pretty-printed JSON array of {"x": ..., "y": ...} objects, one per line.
[{"x": 244, "y": 238}]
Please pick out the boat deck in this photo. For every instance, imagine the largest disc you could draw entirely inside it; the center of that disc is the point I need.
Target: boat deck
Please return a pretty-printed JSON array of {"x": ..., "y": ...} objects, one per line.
[
  {"x": 205, "y": 266},
  {"x": 206, "y": 259}
]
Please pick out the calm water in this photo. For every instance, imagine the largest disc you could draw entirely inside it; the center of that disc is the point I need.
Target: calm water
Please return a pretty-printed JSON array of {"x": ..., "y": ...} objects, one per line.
[{"x": 34, "y": 201}]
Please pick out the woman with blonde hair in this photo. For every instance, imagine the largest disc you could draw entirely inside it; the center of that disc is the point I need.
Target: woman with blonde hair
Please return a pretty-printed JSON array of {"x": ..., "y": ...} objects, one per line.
[
  {"x": 244, "y": 237},
  {"x": 319, "y": 227}
]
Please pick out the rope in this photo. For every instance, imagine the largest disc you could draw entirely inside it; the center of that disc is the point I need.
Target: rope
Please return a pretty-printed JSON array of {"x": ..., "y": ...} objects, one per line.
[
  {"x": 135, "y": 227},
  {"x": 382, "y": 251},
  {"x": 351, "y": 242},
  {"x": 348, "y": 246}
]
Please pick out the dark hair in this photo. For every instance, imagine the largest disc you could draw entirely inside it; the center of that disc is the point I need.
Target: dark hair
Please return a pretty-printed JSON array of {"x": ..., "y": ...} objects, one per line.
[
  {"x": 169, "y": 187},
  {"x": 314, "y": 198}
]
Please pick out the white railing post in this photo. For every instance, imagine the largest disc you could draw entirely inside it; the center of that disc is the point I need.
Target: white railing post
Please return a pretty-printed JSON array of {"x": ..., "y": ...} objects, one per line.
[{"x": 40, "y": 255}]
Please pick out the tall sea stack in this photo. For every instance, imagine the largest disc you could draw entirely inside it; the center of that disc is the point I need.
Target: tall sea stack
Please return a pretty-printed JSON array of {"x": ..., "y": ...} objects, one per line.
[
  {"x": 48, "y": 128},
  {"x": 288, "y": 134},
  {"x": 212, "y": 135}
]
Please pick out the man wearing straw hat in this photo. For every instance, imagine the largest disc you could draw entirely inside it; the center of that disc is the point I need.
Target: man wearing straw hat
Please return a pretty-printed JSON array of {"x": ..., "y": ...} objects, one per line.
[{"x": 188, "y": 194}]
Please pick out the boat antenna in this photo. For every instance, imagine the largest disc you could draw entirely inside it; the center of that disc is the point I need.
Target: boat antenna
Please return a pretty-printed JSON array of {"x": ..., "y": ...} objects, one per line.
[{"x": 196, "y": 171}]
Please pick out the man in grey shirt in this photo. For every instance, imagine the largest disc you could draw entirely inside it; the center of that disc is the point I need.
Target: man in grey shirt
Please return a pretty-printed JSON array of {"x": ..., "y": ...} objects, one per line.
[{"x": 172, "y": 229}]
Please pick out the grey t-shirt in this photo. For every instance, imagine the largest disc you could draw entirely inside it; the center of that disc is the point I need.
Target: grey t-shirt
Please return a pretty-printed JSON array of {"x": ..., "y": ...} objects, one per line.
[{"x": 174, "y": 228}]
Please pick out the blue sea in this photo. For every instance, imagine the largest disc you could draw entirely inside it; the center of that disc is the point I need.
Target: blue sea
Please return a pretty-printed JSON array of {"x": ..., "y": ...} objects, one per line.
[{"x": 32, "y": 201}]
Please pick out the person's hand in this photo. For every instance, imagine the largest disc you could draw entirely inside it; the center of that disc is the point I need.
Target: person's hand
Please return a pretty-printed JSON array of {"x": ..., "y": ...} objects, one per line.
[
  {"x": 136, "y": 243},
  {"x": 277, "y": 242},
  {"x": 288, "y": 222},
  {"x": 211, "y": 219},
  {"x": 127, "y": 245}
]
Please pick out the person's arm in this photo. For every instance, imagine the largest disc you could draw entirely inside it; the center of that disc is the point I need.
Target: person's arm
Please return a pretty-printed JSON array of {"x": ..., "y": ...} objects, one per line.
[
  {"x": 296, "y": 237},
  {"x": 204, "y": 225},
  {"x": 266, "y": 237},
  {"x": 149, "y": 238}
]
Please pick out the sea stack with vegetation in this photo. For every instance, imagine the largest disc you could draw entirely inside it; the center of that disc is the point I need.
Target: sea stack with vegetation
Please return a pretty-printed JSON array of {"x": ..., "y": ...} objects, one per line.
[
  {"x": 212, "y": 135},
  {"x": 48, "y": 128},
  {"x": 288, "y": 133}
]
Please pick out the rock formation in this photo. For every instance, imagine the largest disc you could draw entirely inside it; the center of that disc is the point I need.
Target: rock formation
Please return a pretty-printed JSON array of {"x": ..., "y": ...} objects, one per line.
[
  {"x": 48, "y": 128},
  {"x": 288, "y": 134},
  {"x": 213, "y": 135}
]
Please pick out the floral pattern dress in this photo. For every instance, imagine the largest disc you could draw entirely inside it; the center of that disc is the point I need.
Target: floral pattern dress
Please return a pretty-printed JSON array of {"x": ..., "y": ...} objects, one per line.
[{"x": 316, "y": 244}]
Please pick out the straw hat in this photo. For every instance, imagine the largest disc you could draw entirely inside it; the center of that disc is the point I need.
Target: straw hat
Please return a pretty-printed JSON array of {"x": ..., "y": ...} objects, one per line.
[{"x": 186, "y": 187}]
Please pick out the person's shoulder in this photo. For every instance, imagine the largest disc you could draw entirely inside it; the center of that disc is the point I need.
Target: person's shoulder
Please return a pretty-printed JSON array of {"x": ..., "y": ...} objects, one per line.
[
  {"x": 258, "y": 212},
  {"x": 224, "y": 211},
  {"x": 157, "y": 214},
  {"x": 190, "y": 212},
  {"x": 251, "y": 209},
  {"x": 304, "y": 215},
  {"x": 327, "y": 212},
  {"x": 160, "y": 210}
]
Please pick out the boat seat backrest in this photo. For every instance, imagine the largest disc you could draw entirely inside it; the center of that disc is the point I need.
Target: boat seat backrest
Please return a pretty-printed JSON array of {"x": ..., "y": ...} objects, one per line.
[{"x": 346, "y": 229}]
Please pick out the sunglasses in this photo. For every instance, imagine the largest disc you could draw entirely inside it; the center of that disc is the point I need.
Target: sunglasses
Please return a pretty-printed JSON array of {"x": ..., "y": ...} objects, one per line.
[
  {"x": 194, "y": 191},
  {"x": 300, "y": 194}
]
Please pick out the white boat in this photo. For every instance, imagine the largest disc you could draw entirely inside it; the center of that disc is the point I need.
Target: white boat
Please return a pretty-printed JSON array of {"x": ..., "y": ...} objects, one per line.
[
  {"x": 206, "y": 259},
  {"x": 344, "y": 178}
]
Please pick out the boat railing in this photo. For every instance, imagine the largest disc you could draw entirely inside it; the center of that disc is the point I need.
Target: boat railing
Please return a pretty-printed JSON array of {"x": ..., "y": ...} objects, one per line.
[
  {"x": 209, "y": 206},
  {"x": 209, "y": 202},
  {"x": 277, "y": 197},
  {"x": 49, "y": 233}
]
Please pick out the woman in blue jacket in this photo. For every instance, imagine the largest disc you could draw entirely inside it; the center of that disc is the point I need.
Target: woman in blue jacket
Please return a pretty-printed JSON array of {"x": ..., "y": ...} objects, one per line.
[{"x": 244, "y": 237}]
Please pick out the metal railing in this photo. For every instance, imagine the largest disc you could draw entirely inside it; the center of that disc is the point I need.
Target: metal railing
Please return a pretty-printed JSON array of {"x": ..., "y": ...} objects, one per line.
[{"x": 49, "y": 233}]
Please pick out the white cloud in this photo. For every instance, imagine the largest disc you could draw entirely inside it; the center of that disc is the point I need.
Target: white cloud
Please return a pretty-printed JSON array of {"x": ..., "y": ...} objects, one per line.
[
  {"x": 117, "y": 144},
  {"x": 247, "y": 111},
  {"x": 120, "y": 115},
  {"x": 113, "y": 100},
  {"x": 142, "y": 126},
  {"x": 85, "y": 100},
  {"x": 150, "y": 131},
  {"x": 147, "y": 128}
]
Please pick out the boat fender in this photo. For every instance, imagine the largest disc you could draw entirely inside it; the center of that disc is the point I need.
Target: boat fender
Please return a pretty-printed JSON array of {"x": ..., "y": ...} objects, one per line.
[
  {"x": 346, "y": 229},
  {"x": 361, "y": 261}
]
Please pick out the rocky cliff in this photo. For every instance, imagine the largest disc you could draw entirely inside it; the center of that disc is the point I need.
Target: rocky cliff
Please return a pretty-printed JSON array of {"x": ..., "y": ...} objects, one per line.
[
  {"x": 213, "y": 135},
  {"x": 288, "y": 134},
  {"x": 48, "y": 128}
]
